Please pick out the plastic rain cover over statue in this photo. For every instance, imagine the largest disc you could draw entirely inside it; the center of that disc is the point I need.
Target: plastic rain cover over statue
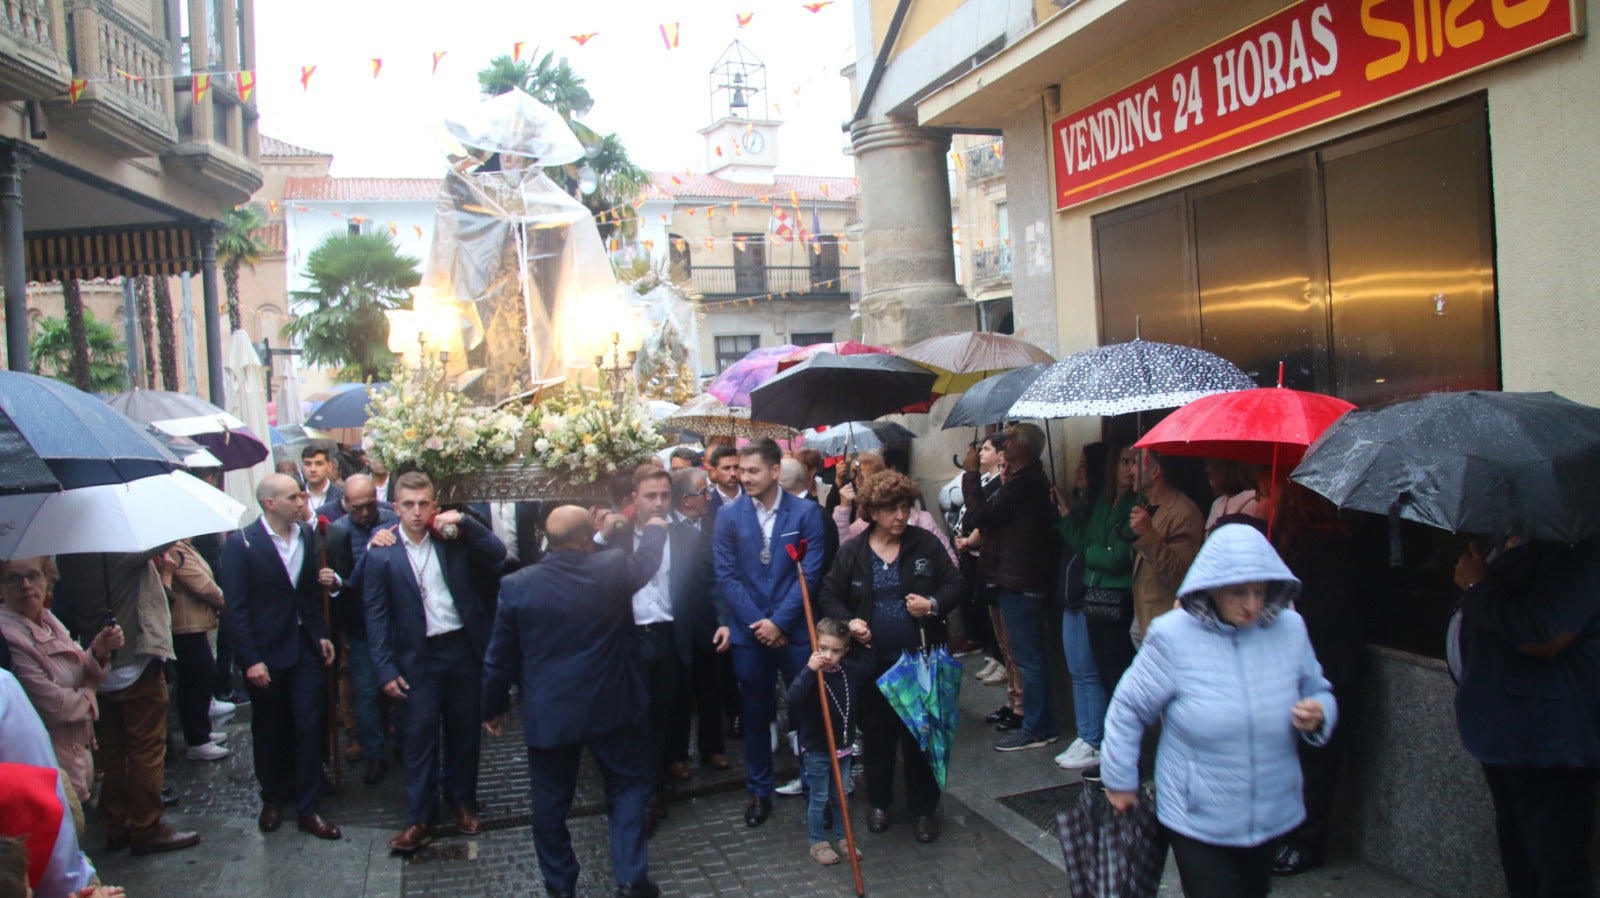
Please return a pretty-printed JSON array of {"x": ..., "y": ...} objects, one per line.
[{"x": 522, "y": 256}]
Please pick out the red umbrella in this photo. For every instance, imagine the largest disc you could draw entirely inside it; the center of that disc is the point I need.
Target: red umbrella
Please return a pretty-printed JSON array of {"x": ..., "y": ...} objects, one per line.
[
  {"x": 843, "y": 347},
  {"x": 1264, "y": 426}
]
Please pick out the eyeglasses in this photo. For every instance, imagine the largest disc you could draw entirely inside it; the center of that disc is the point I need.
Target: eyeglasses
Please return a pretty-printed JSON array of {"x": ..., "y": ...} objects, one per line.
[{"x": 32, "y": 578}]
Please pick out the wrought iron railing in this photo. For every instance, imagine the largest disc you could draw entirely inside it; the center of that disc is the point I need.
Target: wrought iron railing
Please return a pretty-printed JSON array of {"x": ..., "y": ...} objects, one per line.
[
  {"x": 720, "y": 281},
  {"x": 989, "y": 265},
  {"x": 985, "y": 163}
]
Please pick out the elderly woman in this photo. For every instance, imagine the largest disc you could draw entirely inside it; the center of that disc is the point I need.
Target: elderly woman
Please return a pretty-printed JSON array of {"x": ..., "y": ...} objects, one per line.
[
  {"x": 58, "y": 675},
  {"x": 1236, "y": 686},
  {"x": 894, "y": 585}
]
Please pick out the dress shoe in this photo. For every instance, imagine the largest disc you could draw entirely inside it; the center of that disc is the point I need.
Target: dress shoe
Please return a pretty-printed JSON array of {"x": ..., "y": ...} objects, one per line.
[
  {"x": 927, "y": 828},
  {"x": 375, "y": 769},
  {"x": 468, "y": 821},
  {"x": 644, "y": 888},
  {"x": 736, "y": 729},
  {"x": 678, "y": 770},
  {"x": 411, "y": 838},
  {"x": 878, "y": 820},
  {"x": 353, "y": 753},
  {"x": 554, "y": 892},
  {"x": 1002, "y": 713},
  {"x": 315, "y": 825},
  {"x": 1291, "y": 861},
  {"x": 169, "y": 796},
  {"x": 757, "y": 811},
  {"x": 718, "y": 762},
  {"x": 1014, "y": 722},
  {"x": 116, "y": 840},
  {"x": 271, "y": 817},
  {"x": 165, "y": 838}
]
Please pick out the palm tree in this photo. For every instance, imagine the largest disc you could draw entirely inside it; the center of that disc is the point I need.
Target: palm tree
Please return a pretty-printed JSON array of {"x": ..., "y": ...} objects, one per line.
[
  {"x": 147, "y": 334},
  {"x": 354, "y": 279},
  {"x": 77, "y": 367},
  {"x": 52, "y": 352},
  {"x": 166, "y": 335},
  {"x": 237, "y": 246}
]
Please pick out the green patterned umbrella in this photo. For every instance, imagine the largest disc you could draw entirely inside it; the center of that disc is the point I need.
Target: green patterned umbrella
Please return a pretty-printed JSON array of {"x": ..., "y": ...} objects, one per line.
[{"x": 924, "y": 688}]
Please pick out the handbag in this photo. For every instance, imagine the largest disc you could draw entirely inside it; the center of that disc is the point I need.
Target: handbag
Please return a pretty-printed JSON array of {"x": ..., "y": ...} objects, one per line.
[
  {"x": 1104, "y": 604},
  {"x": 1112, "y": 856},
  {"x": 1069, "y": 585}
]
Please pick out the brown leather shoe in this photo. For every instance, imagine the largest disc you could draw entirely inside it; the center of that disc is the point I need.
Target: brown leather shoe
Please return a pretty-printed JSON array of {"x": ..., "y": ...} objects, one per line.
[
  {"x": 314, "y": 824},
  {"x": 927, "y": 828},
  {"x": 165, "y": 838},
  {"x": 718, "y": 762},
  {"x": 678, "y": 770},
  {"x": 271, "y": 817},
  {"x": 411, "y": 838},
  {"x": 878, "y": 820},
  {"x": 468, "y": 821}
]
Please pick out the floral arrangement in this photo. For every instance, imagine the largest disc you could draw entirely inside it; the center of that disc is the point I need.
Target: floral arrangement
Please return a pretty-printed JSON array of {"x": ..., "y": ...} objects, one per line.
[
  {"x": 584, "y": 436},
  {"x": 419, "y": 420}
]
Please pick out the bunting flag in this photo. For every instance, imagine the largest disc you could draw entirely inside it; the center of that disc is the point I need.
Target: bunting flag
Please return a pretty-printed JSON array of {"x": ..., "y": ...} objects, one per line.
[
  {"x": 744, "y": 18},
  {"x": 638, "y": 202},
  {"x": 691, "y": 212},
  {"x": 127, "y": 75},
  {"x": 377, "y": 66},
  {"x": 418, "y": 229},
  {"x": 584, "y": 38},
  {"x": 75, "y": 89},
  {"x": 765, "y": 199},
  {"x": 649, "y": 245},
  {"x": 676, "y": 181},
  {"x": 710, "y": 244},
  {"x": 306, "y": 72},
  {"x": 794, "y": 199},
  {"x": 516, "y": 50},
  {"x": 825, "y": 189},
  {"x": 709, "y": 210},
  {"x": 246, "y": 82},
  {"x": 718, "y": 150},
  {"x": 438, "y": 55},
  {"x": 738, "y": 243},
  {"x": 394, "y": 229},
  {"x": 665, "y": 219},
  {"x": 669, "y": 35},
  {"x": 735, "y": 207},
  {"x": 679, "y": 243},
  {"x": 1000, "y": 150},
  {"x": 272, "y": 207},
  {"x": 961, "y": 161},
  {"x": 816, "y": 7},
  {"x": 199, "y": 87}
]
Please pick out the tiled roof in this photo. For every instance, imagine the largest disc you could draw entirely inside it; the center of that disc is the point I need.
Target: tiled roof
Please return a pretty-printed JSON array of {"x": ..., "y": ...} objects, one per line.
[
  {"x": 808, "y": 188},
  {"x": 272, "y": 237},
  {"x": 272, "y": 146},
  {"x": 360, "y": 189}
]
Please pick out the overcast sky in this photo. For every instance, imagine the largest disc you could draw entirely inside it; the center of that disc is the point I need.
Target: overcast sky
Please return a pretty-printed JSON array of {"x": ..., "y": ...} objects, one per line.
[{"x": 654, "y": 98}]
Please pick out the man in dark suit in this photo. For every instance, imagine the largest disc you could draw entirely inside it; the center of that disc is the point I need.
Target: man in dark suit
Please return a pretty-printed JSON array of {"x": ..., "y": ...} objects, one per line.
[
  {"x": 428, "y": 621},
  {"x": 347, "y": 540},
  {"x": 564, "y": 633},
  {"x": 323, "y": 495},
  {"x": 274, "y": 620},
  {"x": 722, "y": 466},
  {"x": 760, "y": 587},
  {"x": 702, "y": 635}
]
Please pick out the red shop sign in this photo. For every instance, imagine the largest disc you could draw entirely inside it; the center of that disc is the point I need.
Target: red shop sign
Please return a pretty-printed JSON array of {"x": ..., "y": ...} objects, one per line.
[{"x": 1313, "y": 62}]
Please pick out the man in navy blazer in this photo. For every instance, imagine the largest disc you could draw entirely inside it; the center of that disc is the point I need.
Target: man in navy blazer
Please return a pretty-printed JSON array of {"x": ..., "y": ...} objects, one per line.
[
  {"x": 564, "y": 633},
  {"x": 280, "y": 639},
  {"x": 428, "y": 623},
  {"x": 760, "y": 588}
]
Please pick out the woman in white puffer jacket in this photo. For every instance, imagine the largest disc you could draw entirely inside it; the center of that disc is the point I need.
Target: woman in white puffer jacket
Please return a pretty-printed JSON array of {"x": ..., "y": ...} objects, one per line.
[{"x": 1235, "y": 683}]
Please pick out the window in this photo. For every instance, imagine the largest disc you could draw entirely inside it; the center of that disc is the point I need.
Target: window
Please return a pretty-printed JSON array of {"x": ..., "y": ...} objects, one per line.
[
  {"x": 749, "y": 263},
  {"x": 678, "y": 257},
  {"x": 825, "y": 264},
  {"x": 811, "y": 338},
  {"x": 353, "y": 228},
  {"x": 732, "y": 349}
]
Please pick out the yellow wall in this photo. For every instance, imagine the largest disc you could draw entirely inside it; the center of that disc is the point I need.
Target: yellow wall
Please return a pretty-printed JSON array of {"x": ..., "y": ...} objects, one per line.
[{"x": 923, "y": 17}]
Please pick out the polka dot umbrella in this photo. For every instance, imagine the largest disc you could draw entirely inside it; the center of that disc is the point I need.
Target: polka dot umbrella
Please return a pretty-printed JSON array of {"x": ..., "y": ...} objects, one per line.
[{"x": 1137, "y": 376}]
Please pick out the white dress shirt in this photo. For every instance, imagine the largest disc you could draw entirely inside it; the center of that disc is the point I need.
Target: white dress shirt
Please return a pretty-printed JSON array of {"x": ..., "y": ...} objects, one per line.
[
  {"x": 652, "y": 604},
  {"x": 291, "y": 550},
  {"x": 438, "y": 606},
  {"x": 503, "y": 521}
]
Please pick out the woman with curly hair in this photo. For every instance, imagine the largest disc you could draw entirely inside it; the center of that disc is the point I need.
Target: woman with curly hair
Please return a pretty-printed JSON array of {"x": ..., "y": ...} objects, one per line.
[{"x": 894, "y": 584}]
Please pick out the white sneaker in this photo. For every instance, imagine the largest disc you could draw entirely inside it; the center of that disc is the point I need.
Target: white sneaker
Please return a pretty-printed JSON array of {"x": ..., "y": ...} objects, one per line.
[
  {"x": 1078, "y": 755},
  {"x": 210, "y": 751},
  {"x": 222, "y": 709},
  {"x": 218, "y": 737},
  {"x": 793, "y": 787},
  {"x": 988, "y": 668},
  {"x": 997, "y": 677}
]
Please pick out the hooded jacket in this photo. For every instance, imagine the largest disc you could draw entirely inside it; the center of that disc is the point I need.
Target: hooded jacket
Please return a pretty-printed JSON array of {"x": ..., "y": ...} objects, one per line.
[{"x": 1227, "y": 772}]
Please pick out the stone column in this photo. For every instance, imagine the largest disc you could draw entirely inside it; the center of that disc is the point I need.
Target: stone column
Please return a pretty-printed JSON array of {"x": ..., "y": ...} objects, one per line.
[
  {"x": 14, "y": 160},
  {"x": 211, "y": 307},
  {"x": 909, "y": 291}
]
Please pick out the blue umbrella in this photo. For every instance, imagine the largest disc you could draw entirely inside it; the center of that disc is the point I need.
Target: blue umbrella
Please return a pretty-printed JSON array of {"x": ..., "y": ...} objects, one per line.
[
  {"x": 344, "y": 409},
  {"x": 80, "y": 440}
]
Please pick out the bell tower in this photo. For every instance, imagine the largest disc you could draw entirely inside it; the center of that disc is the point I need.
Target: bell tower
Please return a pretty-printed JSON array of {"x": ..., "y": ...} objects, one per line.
[{"x": 742, "y": 139}]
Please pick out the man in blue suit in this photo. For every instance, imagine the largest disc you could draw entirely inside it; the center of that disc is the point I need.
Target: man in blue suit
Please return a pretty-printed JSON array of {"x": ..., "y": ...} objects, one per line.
[
  {"x": 274, "y": 621},
  {"x": 759, "y": 586},
  {"x": 564, "y": 633},
  {"x": 428, "y": 626}
]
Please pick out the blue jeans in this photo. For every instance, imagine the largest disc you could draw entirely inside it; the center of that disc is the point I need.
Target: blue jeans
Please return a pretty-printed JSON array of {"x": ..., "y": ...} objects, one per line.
[
  {"x": 822, "y": 796},
  {"x": 364, "y": 679},
  {"x": 1088, "y": 698},
  {"x": 1024, "y": 617}
]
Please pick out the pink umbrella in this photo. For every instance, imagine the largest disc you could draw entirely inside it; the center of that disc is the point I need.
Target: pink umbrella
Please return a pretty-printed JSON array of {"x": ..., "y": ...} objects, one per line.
[{"x": 734, "y": 384}]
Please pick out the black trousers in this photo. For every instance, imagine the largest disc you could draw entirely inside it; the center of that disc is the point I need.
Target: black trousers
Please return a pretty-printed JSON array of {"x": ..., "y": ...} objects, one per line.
[
  {"x": 1543, "y": 817},
  {"x": 196, "y": 676},
  {"x": 975, "y": 611},
  {"x": 883, "y": 734},
  {"x": 699, "y": 696},
  {"x": 222, "y": 682},
  {"x": 1217, "y": 871},
  {"x": 662, "y": 673},
  {"x": 286, "y": 733},
  {"x": 1111, "y": 646}
]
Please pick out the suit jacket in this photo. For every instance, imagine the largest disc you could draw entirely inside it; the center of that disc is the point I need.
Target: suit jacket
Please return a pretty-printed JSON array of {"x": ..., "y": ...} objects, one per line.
[
  {"x": 268, "y": 617},
  {"x": 396, "y": 623},
  {"x": 332, "y": 507},
  {"x": 347, "y": 555},
  {"x": 752, "y": 591},
  {"x": 689, "y": 583},
  {"x": 564, "y": 634}
]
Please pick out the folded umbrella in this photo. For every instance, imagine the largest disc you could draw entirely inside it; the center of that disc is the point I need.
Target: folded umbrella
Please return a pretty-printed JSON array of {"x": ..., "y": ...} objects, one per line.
[
  {"x": 80, "y": 440},
  {"x": 1473, "y": 462},
  {"x": 924, "y": 689},
  {"x": 119, "y": 517},
  {"x": 832, "y": 389},
  {"x": 989, "y": 401},
  {"x": 963, "y": 359}
]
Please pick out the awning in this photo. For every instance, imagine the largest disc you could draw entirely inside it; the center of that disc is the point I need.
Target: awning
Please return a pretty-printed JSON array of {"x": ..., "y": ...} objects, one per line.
[{"x": 156, "y": 250}]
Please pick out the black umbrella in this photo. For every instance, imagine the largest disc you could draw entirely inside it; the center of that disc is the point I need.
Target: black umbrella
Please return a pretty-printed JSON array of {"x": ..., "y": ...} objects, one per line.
[
  {"x": 1475, "y": 462},
  {"x": 80, "y": 440},
  {"x": 859, "y": 436},
  {"x": 832, "y": 389},
  {"x": 989, "y": 401},
  {"x": 344, "y": 409}
]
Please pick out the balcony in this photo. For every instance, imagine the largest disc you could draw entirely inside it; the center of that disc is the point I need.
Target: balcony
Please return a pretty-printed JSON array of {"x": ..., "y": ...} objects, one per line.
[
  {"x": 991, "y": 267},
  {"x": 128, "y": 100},
  {"x": 716, "y": 282},
  {"x": 984, "y": 164},
  {"x": 33, "y": 50}
]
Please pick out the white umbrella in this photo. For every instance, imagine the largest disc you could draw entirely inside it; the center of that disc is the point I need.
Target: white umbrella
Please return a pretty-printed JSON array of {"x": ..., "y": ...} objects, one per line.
[
  {"x": 247, "y": 401},
  {"x": 289, "y": 397},
  {"x": 119, "y": 517}
]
